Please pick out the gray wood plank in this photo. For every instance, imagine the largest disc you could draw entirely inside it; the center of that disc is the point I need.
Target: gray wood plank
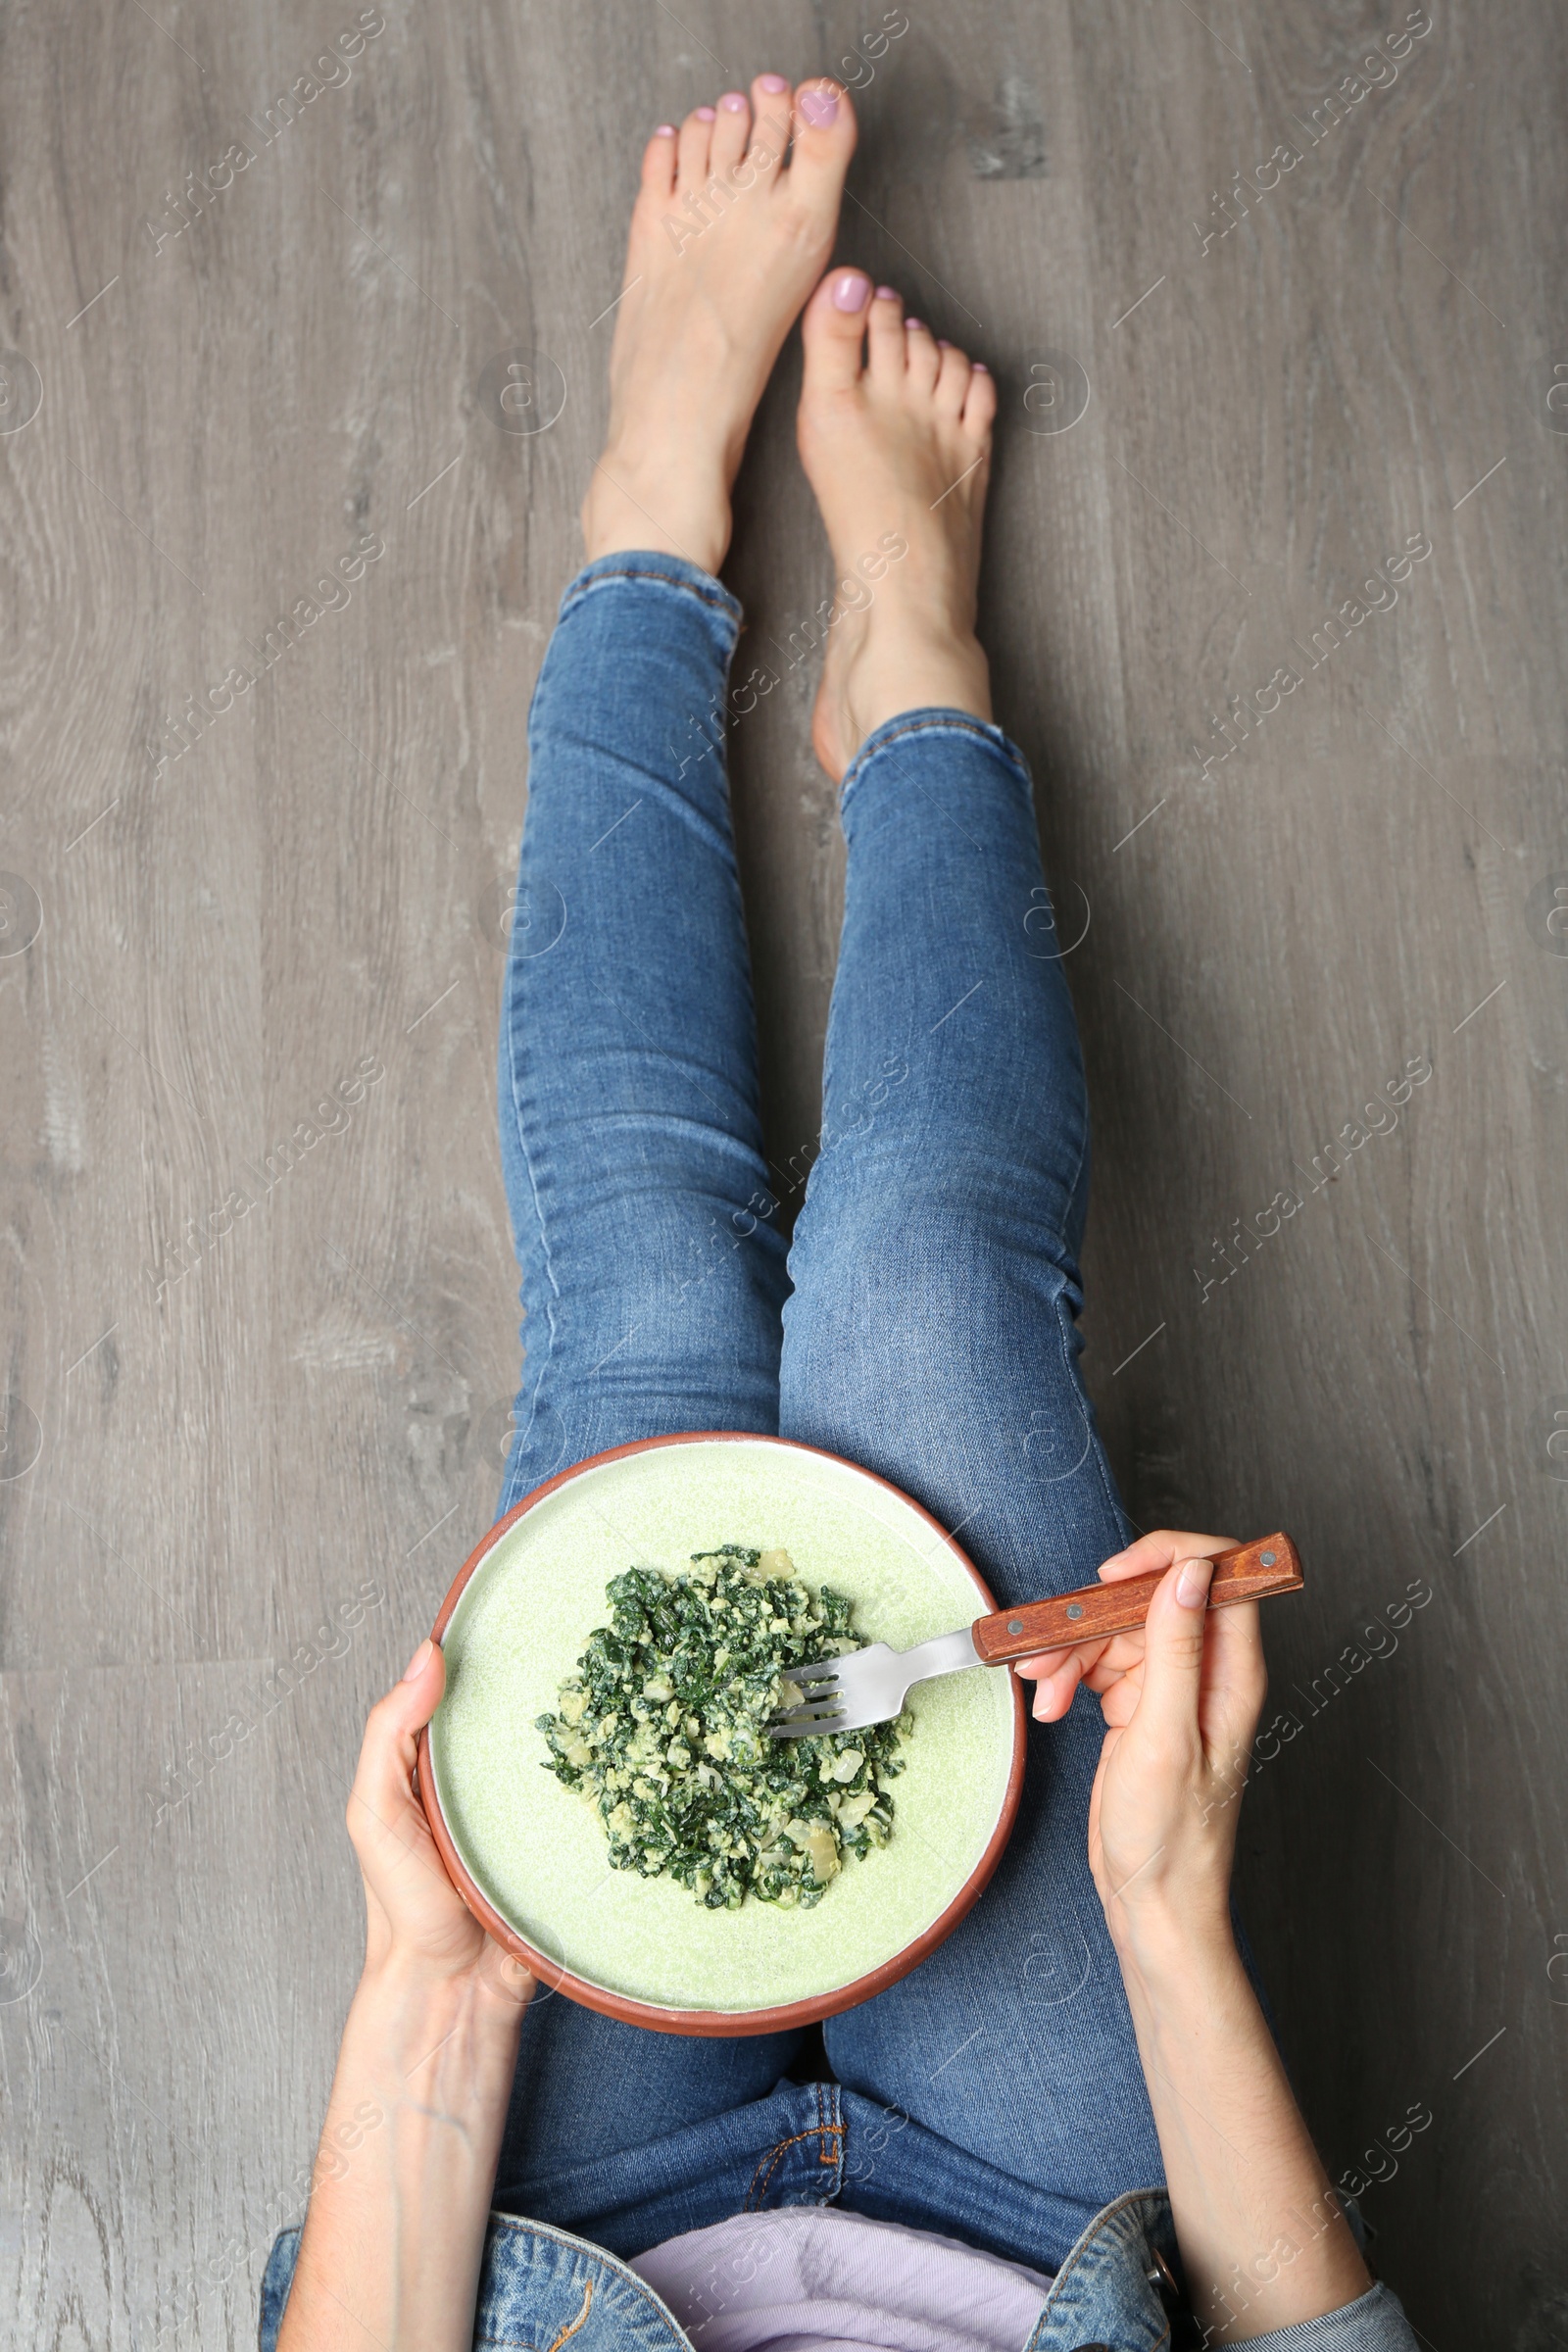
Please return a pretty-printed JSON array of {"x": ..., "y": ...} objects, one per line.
[{"x": 235, "y": 1433}]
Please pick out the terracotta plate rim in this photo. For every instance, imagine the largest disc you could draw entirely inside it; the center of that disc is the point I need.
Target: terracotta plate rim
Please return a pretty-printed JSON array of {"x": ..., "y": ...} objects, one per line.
[{"x": 717, "y": 2023}]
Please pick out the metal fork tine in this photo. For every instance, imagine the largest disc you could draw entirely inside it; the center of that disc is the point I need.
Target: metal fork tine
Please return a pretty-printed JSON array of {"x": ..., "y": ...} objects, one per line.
[
  {"x": 846, "y": 1693},
  {"x": 867, "y": 1686}
]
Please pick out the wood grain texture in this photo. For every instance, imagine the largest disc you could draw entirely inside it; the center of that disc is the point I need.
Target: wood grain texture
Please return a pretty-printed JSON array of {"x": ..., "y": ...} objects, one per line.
[
  {"x": 1094, "y": 1612},
  {"x": 219, "y": 1443}
]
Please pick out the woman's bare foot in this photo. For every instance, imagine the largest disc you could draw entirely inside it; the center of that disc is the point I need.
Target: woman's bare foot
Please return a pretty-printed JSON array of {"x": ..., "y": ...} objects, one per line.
[
  {"x": 898, "y": 449},
  {"x": 726, "y": 242}
]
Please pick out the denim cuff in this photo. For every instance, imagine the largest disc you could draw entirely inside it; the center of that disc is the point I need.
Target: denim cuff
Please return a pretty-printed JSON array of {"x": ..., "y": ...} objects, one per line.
[
  {"x": 648, "y": 569},
  {"x": 939, "y": 721},
  {"x": 1374, "y": 2323}
]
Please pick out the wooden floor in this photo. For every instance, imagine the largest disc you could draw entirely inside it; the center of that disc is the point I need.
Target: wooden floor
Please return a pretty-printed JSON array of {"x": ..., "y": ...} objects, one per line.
[{"x": 1279, "y": 910}]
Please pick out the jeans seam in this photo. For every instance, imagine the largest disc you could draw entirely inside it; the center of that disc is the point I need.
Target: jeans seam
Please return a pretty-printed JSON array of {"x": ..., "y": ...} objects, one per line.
[
  {"x": 773, "y": 2157},
  {"x": 1107, "y": 1484},
  {"x": 716, "y": 600},
  {"x": 1096, "y": 1446},
  {"x": 1089, "y": 2244},
  {"x": 954, "y": 722},
  {"x": 573, "y": 2326},
  {"x": 545, "y": 1256},
  {"x": 828, "y": 2154},
  {"x": 835, "y": 2155}
]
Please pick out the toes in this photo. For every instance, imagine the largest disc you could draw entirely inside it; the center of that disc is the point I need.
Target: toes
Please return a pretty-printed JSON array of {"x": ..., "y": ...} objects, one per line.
[
  {"x": 771, "y": 125},
  {"x": 886, "y": 336},
  {"x": 831, "y": 329},
  {"x": 952, "y": 379},
  {"x": 824, "y": 141},
  {"x": 691, "y": 150},
  {"x": 658, "y": 162},
  {"x": 732, "y": 128},
  {"x": 921, "y": 358},
  {"x": 980, "y": 401}
]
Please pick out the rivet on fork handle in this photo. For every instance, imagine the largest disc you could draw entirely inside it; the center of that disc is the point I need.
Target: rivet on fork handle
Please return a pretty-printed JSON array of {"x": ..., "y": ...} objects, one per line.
[{"x": 1253, "y": 1572}]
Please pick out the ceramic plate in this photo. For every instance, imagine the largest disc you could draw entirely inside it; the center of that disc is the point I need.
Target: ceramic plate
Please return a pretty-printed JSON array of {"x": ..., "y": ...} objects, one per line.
[{"x": 529, "y": 1856}]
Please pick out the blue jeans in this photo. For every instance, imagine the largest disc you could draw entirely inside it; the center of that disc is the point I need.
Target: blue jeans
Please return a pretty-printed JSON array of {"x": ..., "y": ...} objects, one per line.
[{"x": 922, "y": 1323}]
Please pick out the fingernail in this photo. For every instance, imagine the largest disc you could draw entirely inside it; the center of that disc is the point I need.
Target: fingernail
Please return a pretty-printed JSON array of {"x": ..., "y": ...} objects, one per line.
[
  {"x": 419, "y": 1660},
  {"x": 1193, "y": 1583},
  {"x": 733, "y": 101},
  {"x": 705, "y": 113},
  {"x": 773, "y": 83},
  {"x": 820, "y": 107},
  {"x": 887, "y": 293},
  {"x": 665, "y": 130},
  {"x": 852, "y": 290}
]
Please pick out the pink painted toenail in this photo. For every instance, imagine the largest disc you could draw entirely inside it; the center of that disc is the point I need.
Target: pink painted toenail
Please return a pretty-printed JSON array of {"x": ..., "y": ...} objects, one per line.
[
  {"x": 705, "y": 113},
  {"x": 887, "y": 293},
  {"x": 665, "y": 130},
  {"x": 917, "y": 323},
  {"x": 733, "y": 101},
  {"x": 820, "y": 107},
  {"x": 852, "y": 290},
  {"x": 773, "y": 83},
  {"x": 943, "y": 344},
  {"x": 981, "y": 369}
]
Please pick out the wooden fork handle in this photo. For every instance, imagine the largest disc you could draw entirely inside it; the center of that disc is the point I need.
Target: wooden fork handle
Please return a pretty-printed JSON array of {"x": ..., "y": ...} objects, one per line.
[{"x": 1253, "y": 1572}]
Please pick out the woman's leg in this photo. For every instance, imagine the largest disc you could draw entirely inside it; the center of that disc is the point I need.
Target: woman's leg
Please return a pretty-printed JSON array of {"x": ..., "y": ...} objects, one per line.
[
  {"x": 931, "y": 1335},
  {"x": 652, "y": 1276},
  {"x": 653, "y": 1270}
]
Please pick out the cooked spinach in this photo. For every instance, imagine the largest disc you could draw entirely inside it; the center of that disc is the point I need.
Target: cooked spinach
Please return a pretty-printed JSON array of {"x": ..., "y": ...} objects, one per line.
[{"x": 664, "y": 1728}]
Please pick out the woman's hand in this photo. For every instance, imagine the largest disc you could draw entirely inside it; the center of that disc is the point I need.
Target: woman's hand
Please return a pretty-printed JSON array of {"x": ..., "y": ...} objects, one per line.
[
  {"x": 400, "y": 2190},
  {"x": 414, "y": 1914},
  {"x": 1181, "y": 1698},
  {"x": 1264, "y": 2241}
]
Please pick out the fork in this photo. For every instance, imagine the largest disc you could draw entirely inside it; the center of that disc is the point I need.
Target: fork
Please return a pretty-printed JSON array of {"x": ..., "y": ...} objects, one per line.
[{"x": 868, "y": 1685}]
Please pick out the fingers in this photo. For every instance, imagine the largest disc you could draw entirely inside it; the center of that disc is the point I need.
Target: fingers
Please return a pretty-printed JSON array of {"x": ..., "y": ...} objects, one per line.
[
  {"x": 1100, "y": 1666},
  {"x": 1045, "y": 1662},
  {"x": 1158, "y": 1548},
  {"x": 383, "y": 1794},
  {"x": 1173, "y": 1656},
  {"x": 1235, "y": 1675},
  {"x": 1057, "y": 1673},
  {"x": 1150, "y": 1554},
  {"x": 1098, "y": 1662},
  {"x": 1056, "y": 1690}
]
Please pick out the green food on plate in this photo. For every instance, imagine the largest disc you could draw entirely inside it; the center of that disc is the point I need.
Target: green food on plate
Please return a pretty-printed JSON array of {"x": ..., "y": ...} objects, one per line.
[{"x": 664, "y": 1728}]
